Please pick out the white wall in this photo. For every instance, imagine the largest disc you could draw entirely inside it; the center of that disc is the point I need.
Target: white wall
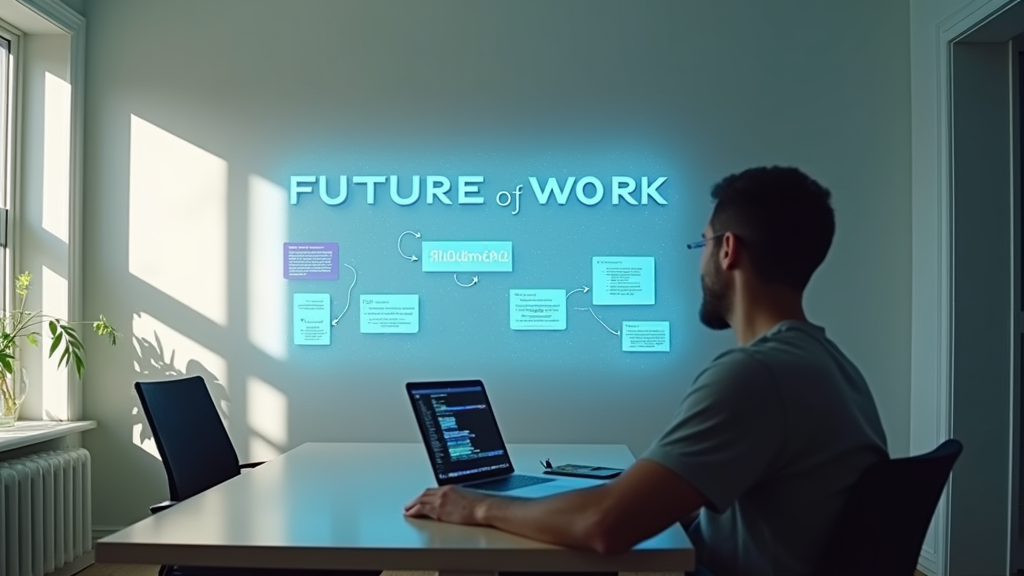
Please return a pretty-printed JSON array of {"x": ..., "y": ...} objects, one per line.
[{"x": 220, "y": 85}]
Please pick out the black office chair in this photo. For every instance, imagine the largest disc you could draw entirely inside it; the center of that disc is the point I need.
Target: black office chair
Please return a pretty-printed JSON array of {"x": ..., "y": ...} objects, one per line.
[
  {"x": 197, "y": 455},
  {"x": 196, "y": 450},
  {"x": 882, "y": 527}
]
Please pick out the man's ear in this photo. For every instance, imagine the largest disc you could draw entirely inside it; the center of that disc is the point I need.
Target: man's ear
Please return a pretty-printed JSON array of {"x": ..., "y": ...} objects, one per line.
[{"x": 728, "y": 255}]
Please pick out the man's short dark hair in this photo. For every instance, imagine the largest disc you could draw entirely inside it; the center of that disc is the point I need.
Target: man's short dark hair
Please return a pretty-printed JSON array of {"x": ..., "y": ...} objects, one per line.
[{"x": 783, "y": 218}]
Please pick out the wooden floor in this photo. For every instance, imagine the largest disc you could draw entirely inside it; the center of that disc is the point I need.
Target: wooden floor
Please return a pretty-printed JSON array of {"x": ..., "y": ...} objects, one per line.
[
  {"x": 142, "y": 570},
  {"x": 119, "y": 570},
  {"x": 145, "y": 570}
]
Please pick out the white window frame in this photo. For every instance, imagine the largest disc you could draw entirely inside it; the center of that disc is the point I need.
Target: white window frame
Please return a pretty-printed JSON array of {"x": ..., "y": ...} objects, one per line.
[
  {"x": 65, "y": 19},
  {"x": 11, "y": 172}
]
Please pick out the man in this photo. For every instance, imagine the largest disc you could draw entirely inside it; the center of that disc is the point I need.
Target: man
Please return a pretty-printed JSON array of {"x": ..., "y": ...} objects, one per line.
[{"x": 766, "y": 444}]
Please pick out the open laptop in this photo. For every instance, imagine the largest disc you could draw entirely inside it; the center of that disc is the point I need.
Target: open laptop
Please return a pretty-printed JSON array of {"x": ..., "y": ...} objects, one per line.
[{"x": 465, "y": 445}]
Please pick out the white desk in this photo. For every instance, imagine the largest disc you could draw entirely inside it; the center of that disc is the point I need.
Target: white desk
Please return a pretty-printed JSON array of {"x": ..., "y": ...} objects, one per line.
[{"x": 340, "y": 506}]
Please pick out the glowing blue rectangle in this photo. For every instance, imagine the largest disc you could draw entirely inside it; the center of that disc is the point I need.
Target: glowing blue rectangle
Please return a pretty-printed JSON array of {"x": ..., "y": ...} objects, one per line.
[
  {"x": 645, "y": 337},
  {"x": 623, "y": 280},
  {"x": 311, "y": 319},
  {"x": 467, "y": 256},
  {"x": 536, "y": 309},
  {"x": 389, "y": 313}
]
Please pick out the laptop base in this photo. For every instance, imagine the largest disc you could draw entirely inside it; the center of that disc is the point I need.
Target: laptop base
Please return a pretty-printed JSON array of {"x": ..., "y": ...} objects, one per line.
[{"x": 508, "y": 483}]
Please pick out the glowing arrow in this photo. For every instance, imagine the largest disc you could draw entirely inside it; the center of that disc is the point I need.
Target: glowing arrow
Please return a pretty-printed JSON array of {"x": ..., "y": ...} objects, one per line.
[
  {"x": 584, "y": 290},
  {"x": 598, "y": 319},
  {"x": 475, "y": 280},
  {"x": 409, "y": 258},
  {"x": 349, "y": 301}
]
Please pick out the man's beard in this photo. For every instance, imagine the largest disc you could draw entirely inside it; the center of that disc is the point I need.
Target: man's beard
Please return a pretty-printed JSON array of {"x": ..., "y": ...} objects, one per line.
[{"x": 715, "y": 306}]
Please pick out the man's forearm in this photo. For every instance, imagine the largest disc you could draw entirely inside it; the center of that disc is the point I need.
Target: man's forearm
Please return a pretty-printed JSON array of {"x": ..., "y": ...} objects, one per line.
[{"x": 572, "y": 519}]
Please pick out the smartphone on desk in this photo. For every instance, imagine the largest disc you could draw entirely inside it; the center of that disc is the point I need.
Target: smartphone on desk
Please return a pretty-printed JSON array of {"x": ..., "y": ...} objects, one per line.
[{"x": 584, "y": 471}]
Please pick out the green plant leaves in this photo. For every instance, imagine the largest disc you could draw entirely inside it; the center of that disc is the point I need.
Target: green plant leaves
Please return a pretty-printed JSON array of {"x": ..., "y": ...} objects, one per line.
[
  {"x": 66, "y": 338},
  {"x": 7, "y": 362},
  {"x": 103, "y": 328},
  {"x": 18, "y": 324},
  {"x": 57, "y": 339}
]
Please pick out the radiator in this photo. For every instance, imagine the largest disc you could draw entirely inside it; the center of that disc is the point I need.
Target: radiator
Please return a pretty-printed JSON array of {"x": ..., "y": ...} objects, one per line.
[{"x": 45, "y": 511}]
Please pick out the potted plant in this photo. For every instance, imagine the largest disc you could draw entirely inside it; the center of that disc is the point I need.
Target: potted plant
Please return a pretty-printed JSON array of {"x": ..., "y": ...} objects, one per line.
[{"x": 20, "y": 326}]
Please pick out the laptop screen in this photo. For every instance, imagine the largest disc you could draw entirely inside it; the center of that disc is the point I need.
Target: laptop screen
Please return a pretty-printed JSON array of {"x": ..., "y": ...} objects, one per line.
[{"x": 459, "y": 430}]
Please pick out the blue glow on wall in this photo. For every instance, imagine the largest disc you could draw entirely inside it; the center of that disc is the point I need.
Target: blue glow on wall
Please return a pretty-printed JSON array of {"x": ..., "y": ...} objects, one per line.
[{"x": 468, "y": 263}]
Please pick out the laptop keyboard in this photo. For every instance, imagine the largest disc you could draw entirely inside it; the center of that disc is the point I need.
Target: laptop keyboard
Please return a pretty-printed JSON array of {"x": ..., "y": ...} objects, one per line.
[{"x": 509, "y": 483}]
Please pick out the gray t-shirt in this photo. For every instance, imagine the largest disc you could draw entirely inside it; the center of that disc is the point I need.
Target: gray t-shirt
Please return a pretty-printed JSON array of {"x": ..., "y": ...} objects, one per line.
[{"x": 773, "y": 434}]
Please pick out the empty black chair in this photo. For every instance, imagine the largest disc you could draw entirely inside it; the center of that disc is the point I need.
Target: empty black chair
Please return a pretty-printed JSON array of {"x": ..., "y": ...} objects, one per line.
[
  {"x": 882, "y": 527},
  {"x": 197, "y": 455},
  {"x": 196, "y": 450}
]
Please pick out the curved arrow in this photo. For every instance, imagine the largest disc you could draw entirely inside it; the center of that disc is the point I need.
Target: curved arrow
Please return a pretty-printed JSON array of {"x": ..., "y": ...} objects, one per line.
[
  {"x": 409, "y": 258},
  {"x": 475, "y": 280},
  {"x": 349, "y": 301},
  {"x": 591, "y": 310},
  {"x": 585, "y": 289}
]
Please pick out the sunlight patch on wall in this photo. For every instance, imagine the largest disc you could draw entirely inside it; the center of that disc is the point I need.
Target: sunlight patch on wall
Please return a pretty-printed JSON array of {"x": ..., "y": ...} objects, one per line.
[
  {"x": 267, "y": 288},
  {"x": 163, "y": 353},
  {"x": 261, "y": 451},
  {"x": 54, "y": 379},
  {"x": 141, "y": 436},
  {"x": 177, "y": 219},
  {"x": 266, "y": 413},
  {"x": 56, "y": 156}
]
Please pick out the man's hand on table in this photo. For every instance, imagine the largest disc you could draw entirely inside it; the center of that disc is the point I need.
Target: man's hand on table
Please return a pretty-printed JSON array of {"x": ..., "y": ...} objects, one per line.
[{"x": 448, "y": 504}]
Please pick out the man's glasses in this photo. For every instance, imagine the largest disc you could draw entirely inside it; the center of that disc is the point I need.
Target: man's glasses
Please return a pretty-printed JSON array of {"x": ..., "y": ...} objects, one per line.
[{"x": 703, "y": 241}]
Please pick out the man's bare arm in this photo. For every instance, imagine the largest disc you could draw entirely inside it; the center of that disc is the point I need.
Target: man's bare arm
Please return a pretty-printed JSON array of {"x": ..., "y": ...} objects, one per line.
[{"x": 644, "y": 501}]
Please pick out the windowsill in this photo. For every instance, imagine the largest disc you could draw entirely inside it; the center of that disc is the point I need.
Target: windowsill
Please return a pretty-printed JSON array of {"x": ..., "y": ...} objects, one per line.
[{"x": 26, "y": 433}]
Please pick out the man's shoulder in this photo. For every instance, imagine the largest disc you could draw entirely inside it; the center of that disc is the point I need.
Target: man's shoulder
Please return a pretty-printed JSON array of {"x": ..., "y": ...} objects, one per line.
[
  {"x": 787, "y": 355},
  {"x": 733, "y": 361},
  {"x": 736, "y": 371},
  {"x": 794, "y": 345}
]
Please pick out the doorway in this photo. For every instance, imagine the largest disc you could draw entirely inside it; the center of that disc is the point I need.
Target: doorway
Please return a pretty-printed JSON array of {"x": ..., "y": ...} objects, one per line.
[{"x": 984, "y": 524}]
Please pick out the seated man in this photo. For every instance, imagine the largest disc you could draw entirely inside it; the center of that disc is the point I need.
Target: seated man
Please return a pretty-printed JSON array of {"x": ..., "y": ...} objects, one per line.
[{"x": 773, "y": 433}]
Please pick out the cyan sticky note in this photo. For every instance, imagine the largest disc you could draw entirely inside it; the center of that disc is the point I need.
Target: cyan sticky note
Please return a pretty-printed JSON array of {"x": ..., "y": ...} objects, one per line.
[
  {"x": 645, "y": 336},
  {"x": 389, "y": 313},
  {"x": 311, "y": 319},
  {"x": 623, "y": 280},
  {"x": 538, "y": 309},
  {"x": 467, "y": 256}
]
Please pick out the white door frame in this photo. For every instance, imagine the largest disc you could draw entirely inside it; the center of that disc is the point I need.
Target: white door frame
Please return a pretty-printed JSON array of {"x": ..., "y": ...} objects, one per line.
[
  {"x": 1016, "y": 551},
  {"x": 962, "y": 379}
]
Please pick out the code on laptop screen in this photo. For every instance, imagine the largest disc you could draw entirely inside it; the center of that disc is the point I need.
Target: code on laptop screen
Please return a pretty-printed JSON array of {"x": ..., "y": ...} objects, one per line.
[{"x": 460, "y": 431}]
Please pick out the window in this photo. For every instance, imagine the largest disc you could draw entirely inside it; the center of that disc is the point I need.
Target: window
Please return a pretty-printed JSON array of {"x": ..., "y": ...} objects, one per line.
[{"x": 8, "y": 48}]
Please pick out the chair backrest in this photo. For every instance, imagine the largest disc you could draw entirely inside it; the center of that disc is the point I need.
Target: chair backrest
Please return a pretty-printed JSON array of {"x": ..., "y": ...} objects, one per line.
[
  {"x": 884, "y": 522},
  {"x": 194, "y": 445}
]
